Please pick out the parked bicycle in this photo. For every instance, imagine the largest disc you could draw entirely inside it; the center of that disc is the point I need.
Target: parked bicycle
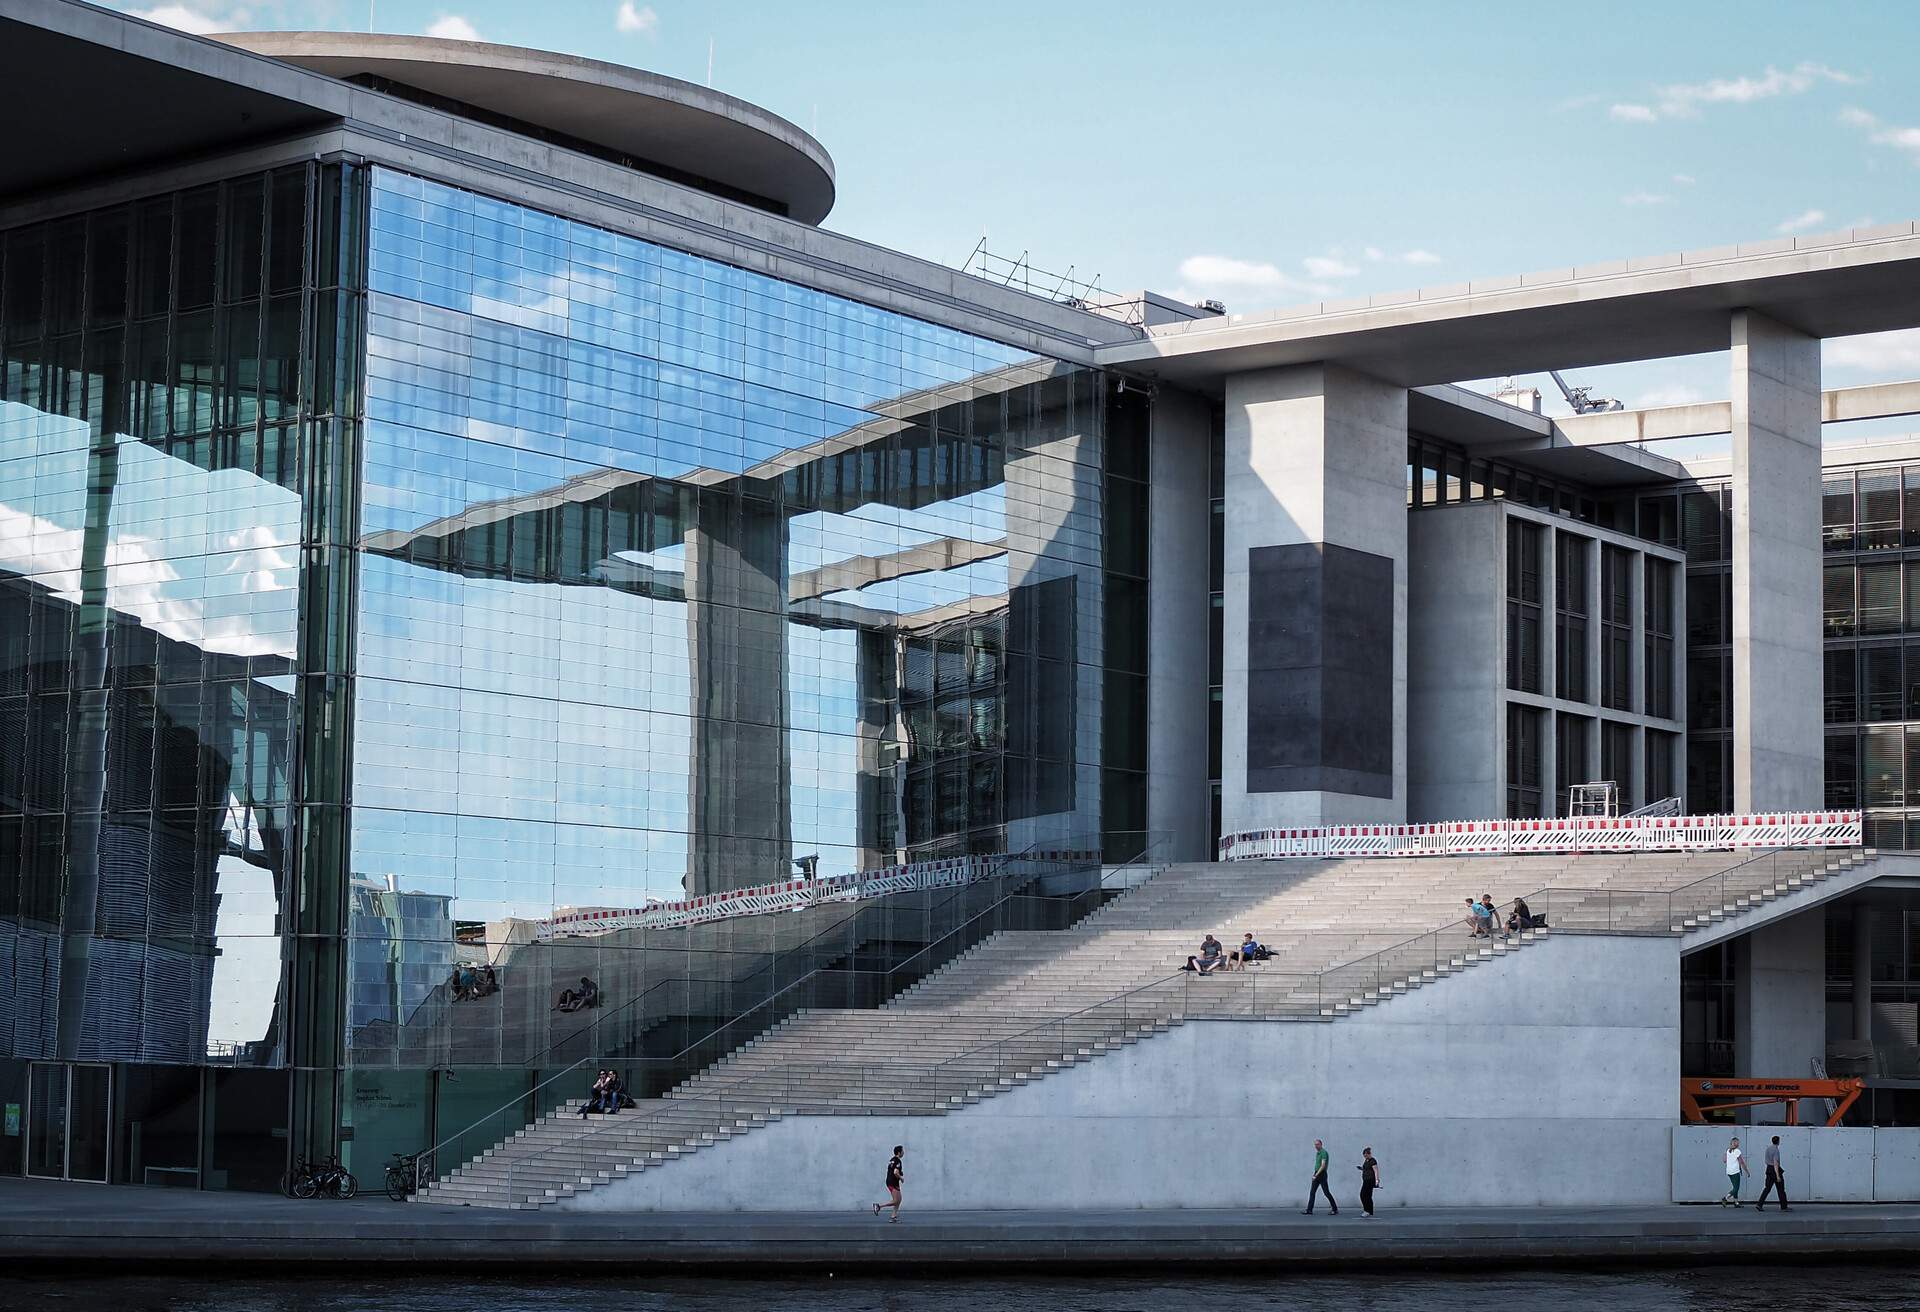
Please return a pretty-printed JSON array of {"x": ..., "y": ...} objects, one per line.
[
  {"x": 403, "y": 1176},
  {"x": 324, "y": 1178}
]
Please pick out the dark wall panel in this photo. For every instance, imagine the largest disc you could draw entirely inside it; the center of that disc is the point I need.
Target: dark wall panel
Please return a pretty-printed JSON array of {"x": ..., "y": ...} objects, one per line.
[{"x": 1319, "y": 670}]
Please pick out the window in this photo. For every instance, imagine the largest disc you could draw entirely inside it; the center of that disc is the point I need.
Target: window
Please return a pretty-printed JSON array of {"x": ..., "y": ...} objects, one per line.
[
  {"x": 1616, "y": 760},
  {"x": 1879, "y": 501},
  {"x": 1839, "y": 684},
  {"x": 1880, "y": 597},
  {"x": 1616, "y": 631},
  {"x": 1836, "y": 512},
  {"x": 1523, "y": 605},
  {"x": 1836, "y": 601},
  {"x": 1843, "y": 770},
  {"x": 1572, "y": 760},
  {"x": 1659, "y": 775},
  {"x": 1523, "y": 762},
  {"x": 1706, "y": 613},
  {"x": 1658, "y": 596},
  {"x": 1702, "y": 527},
  {"x": 1882, "y": 696},
  {"x": 1883, "y": 766},
  {"x": 1571, "y": 578}
]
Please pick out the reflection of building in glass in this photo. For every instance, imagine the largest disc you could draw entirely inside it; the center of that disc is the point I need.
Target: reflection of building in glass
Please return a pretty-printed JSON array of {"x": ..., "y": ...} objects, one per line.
[{"x": 400, "y": 953}]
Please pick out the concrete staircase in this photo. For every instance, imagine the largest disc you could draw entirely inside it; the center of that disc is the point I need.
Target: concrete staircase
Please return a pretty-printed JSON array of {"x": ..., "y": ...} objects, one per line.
[{"x": 1346, "y": 934}]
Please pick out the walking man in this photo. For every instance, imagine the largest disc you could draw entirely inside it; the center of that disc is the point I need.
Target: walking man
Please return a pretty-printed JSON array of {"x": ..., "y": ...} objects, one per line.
[
  {"x": 1736, "y": 1167},
  {"x": 896, "y": 1172},
  {"x": 1369, "y": 1180},
  {"x": 1776, "y": 1178},
  {"x": 1319, "y": 1185}
]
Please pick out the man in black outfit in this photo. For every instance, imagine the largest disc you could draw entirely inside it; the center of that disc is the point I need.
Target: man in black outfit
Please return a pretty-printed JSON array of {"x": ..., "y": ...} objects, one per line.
[
  {"x": 1776, "y": 1178},
  {"x": 1369, "y": 1179}
]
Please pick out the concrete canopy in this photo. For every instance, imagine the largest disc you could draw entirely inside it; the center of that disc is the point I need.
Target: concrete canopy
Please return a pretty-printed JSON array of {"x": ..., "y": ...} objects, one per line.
[
  {"x": 79, "y": 87},
  {"x": 690, "y": 131},
  {"x": 1835, "y": 285}
]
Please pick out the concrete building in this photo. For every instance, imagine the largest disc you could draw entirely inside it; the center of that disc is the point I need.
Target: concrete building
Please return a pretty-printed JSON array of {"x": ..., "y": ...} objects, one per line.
[{"x": 469, "y": 475}]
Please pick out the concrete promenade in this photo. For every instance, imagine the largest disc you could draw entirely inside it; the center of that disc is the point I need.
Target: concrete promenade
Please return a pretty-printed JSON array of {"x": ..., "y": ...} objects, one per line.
[{"x": 103, "y": 1229}]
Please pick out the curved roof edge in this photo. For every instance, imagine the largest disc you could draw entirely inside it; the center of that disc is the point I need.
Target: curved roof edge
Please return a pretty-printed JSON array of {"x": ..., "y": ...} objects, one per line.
[{"x": 662, "y": 125}]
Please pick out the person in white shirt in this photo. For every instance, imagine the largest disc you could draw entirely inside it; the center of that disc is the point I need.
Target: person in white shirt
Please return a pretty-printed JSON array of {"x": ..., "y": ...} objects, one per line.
[{"x": 1736, "y": 1167}]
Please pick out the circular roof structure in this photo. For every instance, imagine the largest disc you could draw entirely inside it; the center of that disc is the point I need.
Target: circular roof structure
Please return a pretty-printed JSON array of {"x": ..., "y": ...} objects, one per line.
[{"x": 660, "y": 125}]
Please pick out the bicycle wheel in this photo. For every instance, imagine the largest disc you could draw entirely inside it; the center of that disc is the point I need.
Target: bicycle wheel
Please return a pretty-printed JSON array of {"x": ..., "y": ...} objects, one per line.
[
  {"x": 343, "y": 1185},
  {"x": 398, "y": 1185},
  {"x": 304, "y": 1185}
]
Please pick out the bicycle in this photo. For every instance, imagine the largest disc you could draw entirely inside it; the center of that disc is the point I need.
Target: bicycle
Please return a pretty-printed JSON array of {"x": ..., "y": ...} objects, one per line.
[
  {"x": 401, "y": 1176},
  {"x": 322, "y": 1178}
]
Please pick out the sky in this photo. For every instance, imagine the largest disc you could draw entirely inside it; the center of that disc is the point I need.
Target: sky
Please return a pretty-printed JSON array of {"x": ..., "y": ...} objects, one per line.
[{"x": 1275, "y": 153}]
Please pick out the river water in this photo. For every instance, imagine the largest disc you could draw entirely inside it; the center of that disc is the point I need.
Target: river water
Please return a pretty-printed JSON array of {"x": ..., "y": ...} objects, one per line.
[{"x": 1707, "y": 1289}]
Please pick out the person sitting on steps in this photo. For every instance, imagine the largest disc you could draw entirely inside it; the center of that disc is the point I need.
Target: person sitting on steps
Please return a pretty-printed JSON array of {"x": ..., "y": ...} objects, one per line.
[
  {"x": 1249, "y": 950},
  {"x": 1209, "y": 959},
  {"x": 587, "y": 995}
]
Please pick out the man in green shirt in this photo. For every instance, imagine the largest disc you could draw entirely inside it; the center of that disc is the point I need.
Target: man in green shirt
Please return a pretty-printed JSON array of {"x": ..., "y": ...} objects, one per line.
[{"x": 1319, "y": 1185}]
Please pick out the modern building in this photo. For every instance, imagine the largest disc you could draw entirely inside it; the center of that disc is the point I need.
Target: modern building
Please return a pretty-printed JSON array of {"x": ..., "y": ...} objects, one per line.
[{"x": 441, "y": 484}]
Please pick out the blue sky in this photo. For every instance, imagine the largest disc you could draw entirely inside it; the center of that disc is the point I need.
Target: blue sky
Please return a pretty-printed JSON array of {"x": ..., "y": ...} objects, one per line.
[{"x": 1274, "y": 153}]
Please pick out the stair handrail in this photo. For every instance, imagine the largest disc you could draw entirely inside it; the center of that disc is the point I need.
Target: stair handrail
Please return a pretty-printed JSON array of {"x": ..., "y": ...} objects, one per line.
[{"x": 423, "y": 1160}]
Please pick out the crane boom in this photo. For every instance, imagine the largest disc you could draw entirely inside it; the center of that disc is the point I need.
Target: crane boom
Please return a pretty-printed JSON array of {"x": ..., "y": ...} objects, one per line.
[{"x": 1581, "y": 398}]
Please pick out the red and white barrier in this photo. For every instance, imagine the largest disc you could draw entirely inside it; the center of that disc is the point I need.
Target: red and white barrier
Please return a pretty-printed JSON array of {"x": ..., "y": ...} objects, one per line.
[
  {"x": 793, "y": 894},
  {"x": 1668, "y": 833}
]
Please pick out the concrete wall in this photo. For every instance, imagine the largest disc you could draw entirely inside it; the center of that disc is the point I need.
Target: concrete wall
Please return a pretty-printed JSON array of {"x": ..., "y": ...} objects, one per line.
[
  {"x": 1778, "y": 743},
  {"x": 1780, "y": 1024},
  {"x": 1456, "y": 669},
  {"x": 1314, "y": 455},
  {"x": 1178, "y": 625},
  {"x": 1567, "y": 1052},
  {"x": 1840, "y": 1165}
]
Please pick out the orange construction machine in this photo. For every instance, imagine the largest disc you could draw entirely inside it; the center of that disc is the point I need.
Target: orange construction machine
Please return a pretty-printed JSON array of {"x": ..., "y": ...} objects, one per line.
[{"x": 1700, "y": 1097}]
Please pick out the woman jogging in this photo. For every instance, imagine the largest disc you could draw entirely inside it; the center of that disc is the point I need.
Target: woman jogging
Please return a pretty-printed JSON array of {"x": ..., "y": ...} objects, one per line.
[{"x": 895, "y": 1174}]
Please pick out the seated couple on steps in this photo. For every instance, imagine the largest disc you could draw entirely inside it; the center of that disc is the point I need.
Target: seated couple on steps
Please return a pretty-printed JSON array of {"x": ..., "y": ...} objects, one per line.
[{"x": 1211, "y": 957}]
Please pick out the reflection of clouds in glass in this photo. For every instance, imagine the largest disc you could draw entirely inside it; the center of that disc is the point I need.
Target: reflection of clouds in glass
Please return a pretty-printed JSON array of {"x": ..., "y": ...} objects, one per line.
[
  {"x": 246, "y": 974},
  {"x": 207, "y": 558}
]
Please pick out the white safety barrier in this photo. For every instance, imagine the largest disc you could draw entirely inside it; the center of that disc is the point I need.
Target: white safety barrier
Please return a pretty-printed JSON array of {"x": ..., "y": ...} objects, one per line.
[
  {"x": 794, "y": 894},
  {"x": 1666, "y": 833}
]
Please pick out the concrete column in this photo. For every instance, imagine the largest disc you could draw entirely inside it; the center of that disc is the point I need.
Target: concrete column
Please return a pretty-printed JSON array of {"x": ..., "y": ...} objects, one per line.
[
  {"x": 1863, "y": 972},
  {"x": 1178, "y": 625},
  {"x": 1633, "y": 789},
  {"x": 737, "y": 631},
  {"x": 1780, "y": 1010},
  {"x": 1315, "y": 644},
  {"x": 1777, "y": 732}
]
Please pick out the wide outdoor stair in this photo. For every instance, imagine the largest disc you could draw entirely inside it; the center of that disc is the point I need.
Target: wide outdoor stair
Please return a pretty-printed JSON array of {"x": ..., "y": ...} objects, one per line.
[{"x": 1345, "y": 934}]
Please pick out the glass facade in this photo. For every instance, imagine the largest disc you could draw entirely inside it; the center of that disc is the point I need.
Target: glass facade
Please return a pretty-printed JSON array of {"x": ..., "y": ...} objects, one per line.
[
  {"x": 177, "y": 394},
  {"x": 385, "y": 570}
]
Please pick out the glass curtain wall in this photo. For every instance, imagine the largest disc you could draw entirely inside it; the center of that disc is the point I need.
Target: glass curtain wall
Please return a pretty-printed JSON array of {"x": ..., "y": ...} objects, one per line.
[
  {"x": 673, "y": 579},
  {"x": 174, "y": 384}
]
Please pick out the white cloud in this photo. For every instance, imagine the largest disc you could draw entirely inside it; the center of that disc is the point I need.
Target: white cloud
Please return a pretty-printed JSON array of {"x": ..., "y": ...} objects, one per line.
[
  {"x": 640, "y": 19},
  {"x": 198, "y": 21},
  {"x": 1881, "y": 353},
  {"x": 1374, "y": 254},
  {"x": 1223, "y": 276},
  {"x": 1801, "y": 222},
  {"x": 1327, "y": 266},
  {"x": 1906, "y": 140},
  {"x": 1685, "y": 99},
  {"x": 1417, "y": 256},
  {"x": 452, "y": 27},
  {"x": 1684, "y": 179},
  {"x": 1643, "y": 198}
]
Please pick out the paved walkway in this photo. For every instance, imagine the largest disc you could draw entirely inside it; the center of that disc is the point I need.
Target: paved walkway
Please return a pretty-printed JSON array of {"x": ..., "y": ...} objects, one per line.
[{"x": 74, "y": 1224}]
